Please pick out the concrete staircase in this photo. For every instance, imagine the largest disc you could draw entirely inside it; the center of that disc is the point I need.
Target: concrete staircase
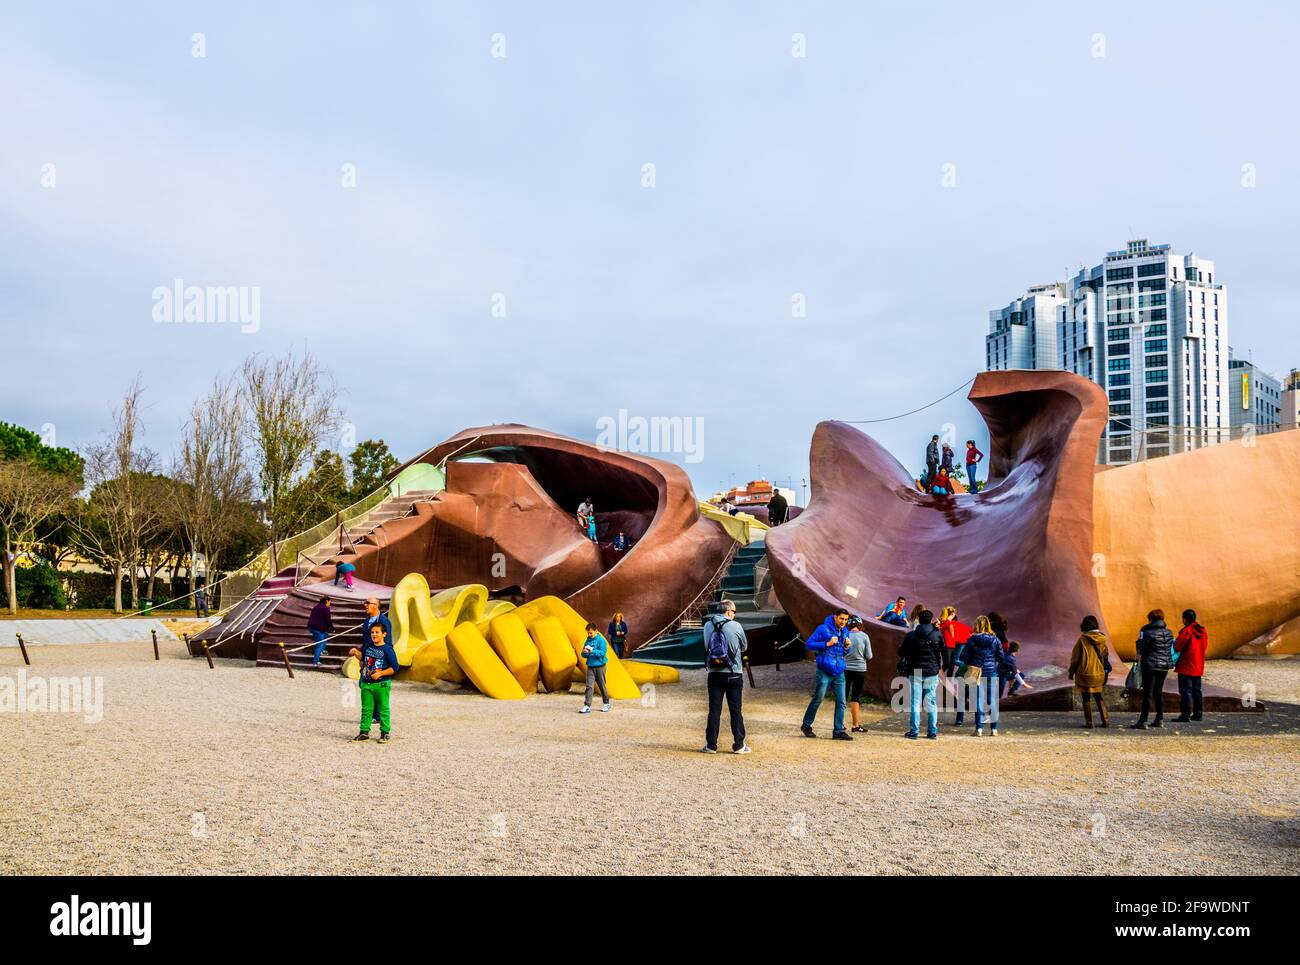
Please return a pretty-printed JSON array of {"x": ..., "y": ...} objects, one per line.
[
  {"x": 683, "y": 648},
  {"x": 394, "y": 507},
  {"x": 287, "y": 624}
]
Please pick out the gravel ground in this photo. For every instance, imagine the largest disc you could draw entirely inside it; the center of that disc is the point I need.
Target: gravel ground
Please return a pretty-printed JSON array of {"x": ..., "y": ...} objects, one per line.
[{"x": 242, "y": 771}]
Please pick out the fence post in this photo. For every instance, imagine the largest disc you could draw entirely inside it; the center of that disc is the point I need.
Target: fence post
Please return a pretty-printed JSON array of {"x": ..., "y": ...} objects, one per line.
[
  {"x": 207, "y": 653},
  {"x": 23, "y": 647},
  {"x": 155, "y": 644},
  {"x": 285, "y": 654}
]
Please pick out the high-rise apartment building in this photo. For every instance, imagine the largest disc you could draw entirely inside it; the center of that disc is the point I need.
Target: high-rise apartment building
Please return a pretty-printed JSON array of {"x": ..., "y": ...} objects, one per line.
[
  {"x": 1151, "y": 327},
  {"x": 1022, "y": 335}
]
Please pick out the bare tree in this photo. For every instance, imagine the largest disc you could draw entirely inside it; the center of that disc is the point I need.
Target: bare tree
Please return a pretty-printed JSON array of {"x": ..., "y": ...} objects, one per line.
[
  {"x": 29, "y": 496},
  {"x": 126, "y": 507},
  {"x": 291, "y": 408},
  {"x": 213, "y": 473}
]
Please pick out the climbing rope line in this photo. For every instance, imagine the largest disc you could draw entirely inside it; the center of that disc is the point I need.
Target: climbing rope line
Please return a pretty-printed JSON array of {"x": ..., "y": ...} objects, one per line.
[{"x": 904, "y": 415}]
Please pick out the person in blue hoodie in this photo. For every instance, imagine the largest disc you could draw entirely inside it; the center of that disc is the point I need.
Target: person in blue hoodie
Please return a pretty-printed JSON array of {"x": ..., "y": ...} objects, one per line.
[
  {"x": 984, "y": 650},
  {"x": 830, "y": 642},
  {"x": 595, "y": 651}
]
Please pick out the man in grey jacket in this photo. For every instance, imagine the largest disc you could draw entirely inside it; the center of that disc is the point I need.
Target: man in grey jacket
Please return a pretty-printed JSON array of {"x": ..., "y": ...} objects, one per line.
[{"x": 727, "y": 680}]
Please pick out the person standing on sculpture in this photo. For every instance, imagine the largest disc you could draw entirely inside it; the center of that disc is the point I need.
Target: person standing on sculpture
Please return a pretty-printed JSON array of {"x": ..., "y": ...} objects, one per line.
[
  {"x": 973, "y": 458},
  {"x": 1155, "y": 650},
  {"x": 830, "y": 642},
  {"x": 931, "y": 462},
  {"x": 777, "y": 508}
]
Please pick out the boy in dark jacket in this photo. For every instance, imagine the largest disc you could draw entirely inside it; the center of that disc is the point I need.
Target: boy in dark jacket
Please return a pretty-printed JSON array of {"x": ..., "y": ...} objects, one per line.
[
  {"x": 1155, "y": 649},
  {"x": 378, "y": 664},
  {"x": 920, "y": 657},
  {"x": 1191, "y": 645},
  {"x": 830, "y": 642}
]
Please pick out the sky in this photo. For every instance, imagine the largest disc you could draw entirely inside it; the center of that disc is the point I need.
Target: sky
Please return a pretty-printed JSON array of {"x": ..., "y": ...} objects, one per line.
[{"x": 449, "y": 204}]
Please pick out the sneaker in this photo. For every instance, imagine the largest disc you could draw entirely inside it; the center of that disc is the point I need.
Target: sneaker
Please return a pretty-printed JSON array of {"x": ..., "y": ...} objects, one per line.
[
  {"x": 842, "y": 736},
  {"x": 706, "y": 749},
  {"x": 807, "y": 731},
  {"x": 1195, "y": 717},
  {"x": 961, "y": 719},
  {"x": 932, "y": 737},
  {"x": 385, "y": 737},
  {"x": 1157, "y": 723},
  {"x": 979, "y": 731},
  {"x": 859, "y": 730},
  {"x": 742, "y": 749},
  {"x": 362, "y": 736},
  {"x": 1180, "y": 719},
  {"x": 993, "y": 732},
  {"x": 911, "y": 735},
  {"x": 606, "y": 708},
  {"x": 585, "y": 709},
  {"x": 1140, "y": 725}
]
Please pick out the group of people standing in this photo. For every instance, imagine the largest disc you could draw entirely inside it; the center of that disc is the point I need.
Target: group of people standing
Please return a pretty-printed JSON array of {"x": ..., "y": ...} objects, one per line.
[
  {"x": 976, "y": 663},
  {"x": 939, "y": 467}
]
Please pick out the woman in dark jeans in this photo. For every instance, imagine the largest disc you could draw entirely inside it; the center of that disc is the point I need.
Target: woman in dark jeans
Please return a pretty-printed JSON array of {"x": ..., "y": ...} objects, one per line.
[
  {"x": 617, "y": 634},
  {"x": 1155, "y": 649},
  {"x": 855, "y": 670}
]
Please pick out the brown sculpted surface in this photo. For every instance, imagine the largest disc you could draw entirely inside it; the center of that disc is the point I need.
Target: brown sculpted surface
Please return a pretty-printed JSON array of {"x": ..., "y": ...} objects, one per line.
[
  {"x": 1023, "y": 547},
  {"x": 507, "y": 520},
  {"x": 1216, "y": 529}
]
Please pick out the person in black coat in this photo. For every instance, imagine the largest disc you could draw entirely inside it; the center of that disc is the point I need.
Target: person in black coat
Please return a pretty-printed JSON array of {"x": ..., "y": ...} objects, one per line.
[
  {"x": 1155, "y": 650},
  {"x": 776, "y": 509},
  {"x": 920, "y": 658}
]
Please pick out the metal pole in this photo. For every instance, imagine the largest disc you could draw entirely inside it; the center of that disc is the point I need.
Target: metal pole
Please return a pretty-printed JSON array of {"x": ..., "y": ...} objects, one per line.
[
  {"x": 287, "y": 666},
  {"x": 23, "y": 647},
  {"x": 155, "y": 644},
  {"x": 206, "y": 653}
]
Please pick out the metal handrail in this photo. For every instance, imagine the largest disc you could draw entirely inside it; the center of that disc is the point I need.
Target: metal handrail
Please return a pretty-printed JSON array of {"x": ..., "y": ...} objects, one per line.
[{"x": 709, "y": 587}]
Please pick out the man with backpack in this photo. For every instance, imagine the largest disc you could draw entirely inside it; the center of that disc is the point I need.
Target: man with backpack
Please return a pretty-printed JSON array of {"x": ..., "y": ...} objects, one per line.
[
  {"x": 724, "y": 650},
  {"x": 830, "y": 642}
]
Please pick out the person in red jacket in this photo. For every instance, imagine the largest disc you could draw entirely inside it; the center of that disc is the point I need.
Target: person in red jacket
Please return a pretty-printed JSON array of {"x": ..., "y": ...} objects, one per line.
[
  {"x": 1191, "y": 644},
  {"x": 955, "y": 634}
]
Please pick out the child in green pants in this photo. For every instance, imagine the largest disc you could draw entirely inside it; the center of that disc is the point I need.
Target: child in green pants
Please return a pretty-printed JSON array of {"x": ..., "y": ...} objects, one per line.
[{"x": 378, "y": 664}]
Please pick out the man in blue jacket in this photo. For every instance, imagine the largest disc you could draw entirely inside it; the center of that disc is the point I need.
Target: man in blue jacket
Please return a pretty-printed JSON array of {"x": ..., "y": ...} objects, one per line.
[{"x": 830, "y": 642}]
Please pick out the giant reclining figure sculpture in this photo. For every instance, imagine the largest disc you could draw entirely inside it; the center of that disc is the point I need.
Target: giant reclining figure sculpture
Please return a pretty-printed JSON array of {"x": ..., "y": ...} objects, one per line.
[
  {"x": 506, "y": 521},
  {"x": 1026, "y": 546}
]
